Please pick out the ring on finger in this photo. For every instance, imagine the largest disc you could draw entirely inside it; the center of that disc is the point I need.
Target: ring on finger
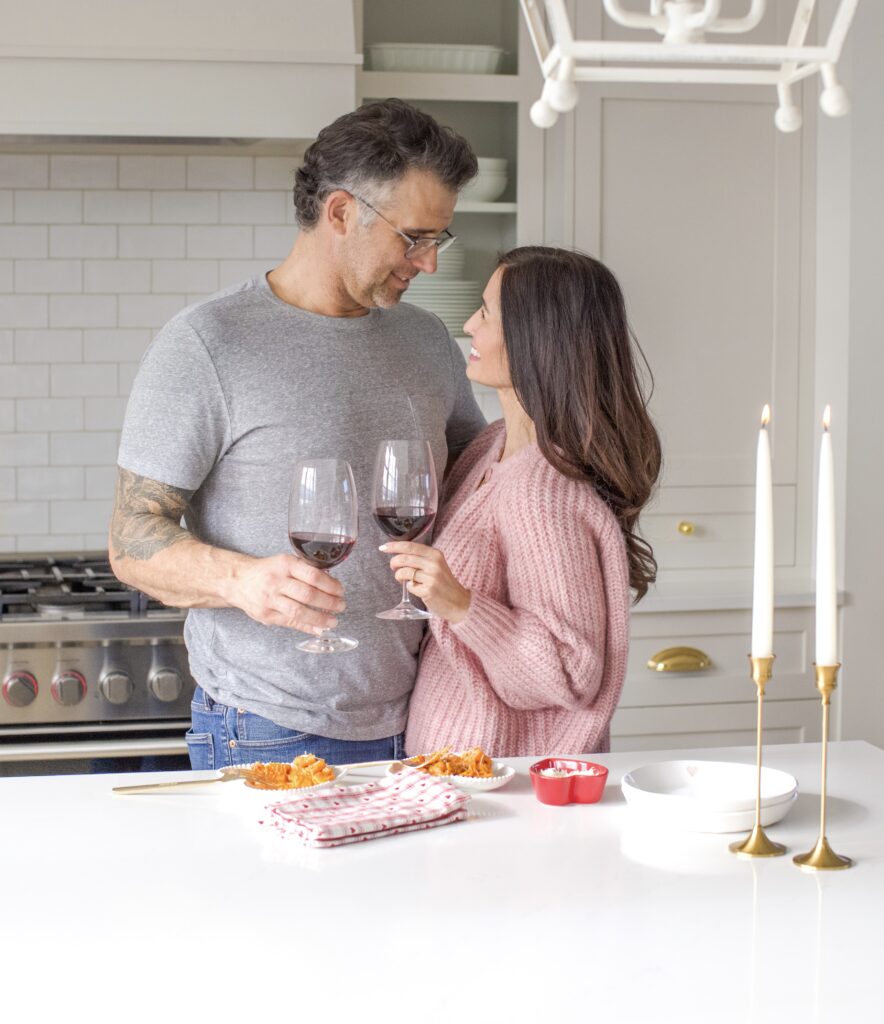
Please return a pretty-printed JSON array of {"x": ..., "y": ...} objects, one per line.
[{"x": 414, "y": 575}]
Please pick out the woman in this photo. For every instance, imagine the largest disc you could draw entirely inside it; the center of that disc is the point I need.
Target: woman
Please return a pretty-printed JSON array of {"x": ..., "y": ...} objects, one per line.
[{"x": 536, "y": 547}]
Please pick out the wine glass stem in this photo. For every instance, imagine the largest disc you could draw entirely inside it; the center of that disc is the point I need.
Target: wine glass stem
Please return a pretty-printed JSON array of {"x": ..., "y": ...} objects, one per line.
[{"x": 406, "y": 597}]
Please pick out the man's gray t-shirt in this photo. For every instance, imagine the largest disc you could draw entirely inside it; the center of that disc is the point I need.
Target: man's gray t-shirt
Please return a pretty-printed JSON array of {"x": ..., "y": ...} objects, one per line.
[{"x": 230, "y": 394}]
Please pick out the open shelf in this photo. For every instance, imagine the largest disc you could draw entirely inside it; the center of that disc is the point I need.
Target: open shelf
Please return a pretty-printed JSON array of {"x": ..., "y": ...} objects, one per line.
[
  {"x": 465, "y": 206},
  {"x": 418, "y": 85}
]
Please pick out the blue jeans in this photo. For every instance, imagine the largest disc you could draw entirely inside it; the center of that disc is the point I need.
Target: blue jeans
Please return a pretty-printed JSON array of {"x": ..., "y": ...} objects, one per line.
[{"x": 221, "y": 736}]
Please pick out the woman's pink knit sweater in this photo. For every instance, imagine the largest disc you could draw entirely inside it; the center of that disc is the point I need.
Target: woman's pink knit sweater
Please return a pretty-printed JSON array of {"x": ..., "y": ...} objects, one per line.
[{"x": 537, "y": 664}]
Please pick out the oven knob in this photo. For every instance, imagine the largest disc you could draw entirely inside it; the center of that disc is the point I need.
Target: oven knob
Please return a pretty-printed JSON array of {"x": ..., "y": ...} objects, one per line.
[
  {"x": 68, "y": 688},
  {"x": 19, "y": 689},
  {"x": 116, "y": 687},
  {"x": 165, "y": 684}
]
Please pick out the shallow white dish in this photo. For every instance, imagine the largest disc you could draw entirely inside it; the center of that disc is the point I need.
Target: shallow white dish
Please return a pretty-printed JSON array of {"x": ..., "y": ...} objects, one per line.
[
  {"x": 451, "y": 58},
  {"x": 502, "y": 775},
  {"x": 272, "y": 794},
  {"x": 703, "y": 819},
  {"x": 487, "y": 186},
  {"x": 716, "y": 786}
]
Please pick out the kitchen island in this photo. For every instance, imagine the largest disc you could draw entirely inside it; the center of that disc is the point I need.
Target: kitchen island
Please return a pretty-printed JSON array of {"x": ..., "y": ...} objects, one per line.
[{"x": 180, "y": 906}]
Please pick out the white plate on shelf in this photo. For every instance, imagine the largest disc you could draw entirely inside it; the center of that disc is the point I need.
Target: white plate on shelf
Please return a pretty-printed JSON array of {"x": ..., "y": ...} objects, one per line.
[{"x": 502, "y": 775}]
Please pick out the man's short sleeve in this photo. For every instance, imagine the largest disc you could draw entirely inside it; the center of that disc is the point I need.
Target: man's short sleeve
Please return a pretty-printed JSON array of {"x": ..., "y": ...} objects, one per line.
[{"x": 177, "y": 425}]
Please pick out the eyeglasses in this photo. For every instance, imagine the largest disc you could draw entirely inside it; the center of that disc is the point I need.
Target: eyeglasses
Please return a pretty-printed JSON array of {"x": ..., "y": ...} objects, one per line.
[{"x": 416, "y": 246}]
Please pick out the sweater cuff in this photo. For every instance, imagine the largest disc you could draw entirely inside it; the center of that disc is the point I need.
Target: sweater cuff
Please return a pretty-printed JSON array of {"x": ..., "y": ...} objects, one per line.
[{"x": 486, "y": 627}]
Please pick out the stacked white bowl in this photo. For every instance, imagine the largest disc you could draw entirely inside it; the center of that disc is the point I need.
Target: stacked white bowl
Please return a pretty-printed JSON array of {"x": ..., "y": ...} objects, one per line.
[
  {"x": 447, "y": 293},
  {"x": 489, "y": 184}
]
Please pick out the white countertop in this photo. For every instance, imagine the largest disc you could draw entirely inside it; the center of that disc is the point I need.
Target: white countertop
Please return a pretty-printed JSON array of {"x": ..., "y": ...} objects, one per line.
[{"x": 137, "y": 908}]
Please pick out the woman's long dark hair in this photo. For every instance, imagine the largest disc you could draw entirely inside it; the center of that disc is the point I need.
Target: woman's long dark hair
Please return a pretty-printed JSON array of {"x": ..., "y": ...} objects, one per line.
[{"x": 572, "y": 361}]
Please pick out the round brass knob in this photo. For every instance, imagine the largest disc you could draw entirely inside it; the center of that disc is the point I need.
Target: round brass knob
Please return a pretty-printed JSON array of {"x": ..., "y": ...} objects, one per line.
[{"x": 686, "y": 528}]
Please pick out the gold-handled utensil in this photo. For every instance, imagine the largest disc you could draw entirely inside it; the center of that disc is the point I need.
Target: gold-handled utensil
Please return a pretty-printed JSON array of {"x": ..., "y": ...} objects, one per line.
[{"x": 227, "y": 774}]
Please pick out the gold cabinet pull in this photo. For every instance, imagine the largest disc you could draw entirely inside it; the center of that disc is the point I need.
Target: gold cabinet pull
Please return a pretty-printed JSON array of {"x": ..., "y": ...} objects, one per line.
[
  {"x": 686, "y": 528},
  {"x": 680, "y": 659}
]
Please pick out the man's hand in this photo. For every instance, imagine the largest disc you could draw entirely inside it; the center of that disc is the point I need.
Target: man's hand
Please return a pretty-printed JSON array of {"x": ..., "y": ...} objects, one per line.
[
  {"x": 286, "y": 591},
  {"x": 425, "y": 572}
]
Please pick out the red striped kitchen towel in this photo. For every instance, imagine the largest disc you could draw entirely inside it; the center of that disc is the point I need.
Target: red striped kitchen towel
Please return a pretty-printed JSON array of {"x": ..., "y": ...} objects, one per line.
[{"x": 333, "y": 816}]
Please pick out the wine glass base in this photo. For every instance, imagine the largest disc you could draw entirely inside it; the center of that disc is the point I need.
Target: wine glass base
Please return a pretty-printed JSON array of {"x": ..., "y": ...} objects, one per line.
[
  {"x": 404, "y": 611},
  {"x": 327, "y": 644}
]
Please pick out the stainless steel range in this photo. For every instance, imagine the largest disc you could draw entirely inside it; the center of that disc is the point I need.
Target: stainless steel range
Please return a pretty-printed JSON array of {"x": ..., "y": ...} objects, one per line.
[{"x": 94, "y": 674}]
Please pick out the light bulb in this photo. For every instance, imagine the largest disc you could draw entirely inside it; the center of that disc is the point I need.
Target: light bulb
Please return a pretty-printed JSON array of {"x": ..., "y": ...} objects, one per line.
[
  {"x": 788, "y": 118},
  {"x": 834, "y": 101},
  {"x": 543, "y": 115},
  {"x": 561, "y": 96}
]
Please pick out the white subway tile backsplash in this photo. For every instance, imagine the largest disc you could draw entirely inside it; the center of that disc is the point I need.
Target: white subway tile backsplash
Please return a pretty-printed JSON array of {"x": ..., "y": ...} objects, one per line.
[
  {"x": 81, "y": 242},
  {"x": 220, "y": 172},
  {"x": 24, "y": 450},
  {"x": 42, "y": 414},
  {"x": 48, "y": 206},
  {"x": 82, "y": 170},
  {"x": 152, "y": 241},
  {"x": 152, "y": 171},
  {"x": 227, "y": 242},
  {"x": 97, "y": 251},
  {"x": 24, "y": 311},
  {"x": 276, "y": 172},
  {"x": 85, "y": 516},
  {"x": 87, "y": 448},
  {"x": 48, "y": 346},
  {"x": 112, "y": 207},
  {"x": 106, "y": 414},
  {"x": 253, "y": 207},
  {"x": 84, "y": 380},
  {"x": 116, "y": 276},
  {"x": 185, "y": 275},
  {"x": 49, "y": 482},
  {"x": 18, "y": 516},
  {"x": 25, "y": 381},
  {"x": 274, "y": 242},
  {"x": 185, "y": 208},
  {"x": 24, "y": 170},
  {"x": 231, "y": 272},
  {"x": 101, "y": 482},
  {"x": 127, "y": 376},
  {"x": 82, "y": 310},
  {"x": 48, "y": 276},
  {"x": 23, "y": 242},
  {"x": 52, "y": 542},
  {"x": 149, "y": 310},
  {"x": 115, "y": 345}
]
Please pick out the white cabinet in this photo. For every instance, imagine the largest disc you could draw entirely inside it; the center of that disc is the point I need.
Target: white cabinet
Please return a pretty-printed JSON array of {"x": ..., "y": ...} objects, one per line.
[
  {"x": 491, "y": 111},
  {"x": 715, "y": 707}
]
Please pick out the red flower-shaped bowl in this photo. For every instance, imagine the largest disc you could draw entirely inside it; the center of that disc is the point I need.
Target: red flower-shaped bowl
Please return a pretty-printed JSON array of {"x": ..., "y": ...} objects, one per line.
[{"x": 568, "y": 789}]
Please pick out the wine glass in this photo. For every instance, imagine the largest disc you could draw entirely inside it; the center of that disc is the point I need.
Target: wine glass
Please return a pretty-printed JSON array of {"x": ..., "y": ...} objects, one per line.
[
  {"x": 323, "y": 523},
  {"x": 404, "y": 500}
]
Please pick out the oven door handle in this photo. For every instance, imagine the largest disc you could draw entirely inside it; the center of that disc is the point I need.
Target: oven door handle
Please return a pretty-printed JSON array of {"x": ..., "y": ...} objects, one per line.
[{"x": 77, "y": 750}]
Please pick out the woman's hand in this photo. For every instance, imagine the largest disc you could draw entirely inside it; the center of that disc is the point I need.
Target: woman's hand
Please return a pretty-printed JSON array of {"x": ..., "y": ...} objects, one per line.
[{"x": 426, "y": 574}]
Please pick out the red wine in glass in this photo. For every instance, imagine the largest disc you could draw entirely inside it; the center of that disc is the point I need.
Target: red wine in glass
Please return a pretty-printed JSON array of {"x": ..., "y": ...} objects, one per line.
[
  {"x": 402, "y": 522},
  {"x": 323, "y": 550}
]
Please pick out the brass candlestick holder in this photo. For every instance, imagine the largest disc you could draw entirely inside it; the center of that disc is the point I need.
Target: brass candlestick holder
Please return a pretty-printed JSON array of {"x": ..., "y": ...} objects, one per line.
[
  {"x": 822, "y": 857},
  {"x": 756, "y": 844}
]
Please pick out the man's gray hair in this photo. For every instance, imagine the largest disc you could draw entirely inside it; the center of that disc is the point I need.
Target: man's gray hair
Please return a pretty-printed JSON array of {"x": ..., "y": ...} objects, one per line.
[{"x": 367, "y": 151}]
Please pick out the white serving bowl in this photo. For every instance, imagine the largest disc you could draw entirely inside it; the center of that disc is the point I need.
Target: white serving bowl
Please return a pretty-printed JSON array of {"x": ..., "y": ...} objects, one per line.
[
  {"x": 435, "y": 57},
  {"x": 719, "y": 787},
  {"x": 704, "y": 819},
  {"x": 487, "y": 186}
]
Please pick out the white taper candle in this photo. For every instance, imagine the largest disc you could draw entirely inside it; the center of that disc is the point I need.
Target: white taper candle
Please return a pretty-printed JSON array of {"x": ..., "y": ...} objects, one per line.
[
  {"x": 826, "y": 582},
  {"x": 763, "y": 579}
]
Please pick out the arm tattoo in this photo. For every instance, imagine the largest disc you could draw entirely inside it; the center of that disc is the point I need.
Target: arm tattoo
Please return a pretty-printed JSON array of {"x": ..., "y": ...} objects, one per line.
[{"x": 146, "y": 516}]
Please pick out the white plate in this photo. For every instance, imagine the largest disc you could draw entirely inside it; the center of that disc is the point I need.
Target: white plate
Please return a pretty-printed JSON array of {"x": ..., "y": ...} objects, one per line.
[
  {"x": 716, "y": 786},
  {"x": 439, "y": 57},
  {"x": 273, "y": 794},
  {"x": 502, "y": 775},
  {"x": 702, "y": 819}
]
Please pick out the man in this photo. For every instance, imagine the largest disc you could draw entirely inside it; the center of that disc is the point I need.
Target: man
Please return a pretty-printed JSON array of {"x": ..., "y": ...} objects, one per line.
[{"x": 317, "y": 359}]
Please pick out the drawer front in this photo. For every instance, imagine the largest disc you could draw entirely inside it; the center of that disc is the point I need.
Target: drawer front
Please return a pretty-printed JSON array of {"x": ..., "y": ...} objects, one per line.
[
  {"x": 714, "y": 527},
  {"x": 714, "y": 725},
  {"x": 725, "y": 638}
]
